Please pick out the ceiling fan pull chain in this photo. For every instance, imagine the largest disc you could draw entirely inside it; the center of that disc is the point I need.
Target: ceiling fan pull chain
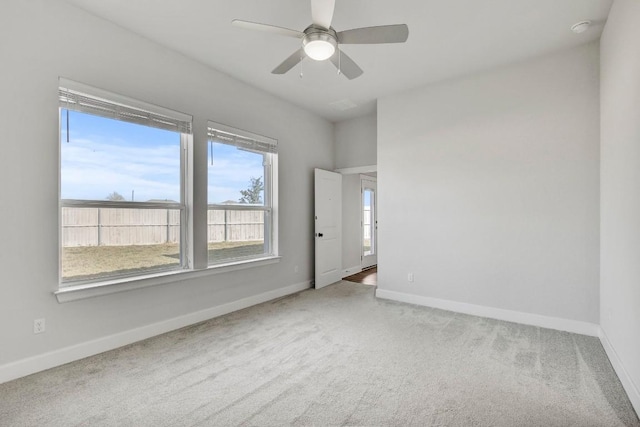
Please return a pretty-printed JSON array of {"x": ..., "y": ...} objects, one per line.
[
  {"x": 301, "y": 73},
  {"x": 339, "y": 61}
]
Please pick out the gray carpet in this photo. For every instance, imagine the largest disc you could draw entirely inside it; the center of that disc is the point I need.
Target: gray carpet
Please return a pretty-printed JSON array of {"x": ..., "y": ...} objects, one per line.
[{"x": 335, "y": 356}]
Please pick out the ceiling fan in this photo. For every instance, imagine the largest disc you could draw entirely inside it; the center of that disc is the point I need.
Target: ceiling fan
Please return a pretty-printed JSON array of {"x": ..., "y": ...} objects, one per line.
[{"x": 320, "y": 41}]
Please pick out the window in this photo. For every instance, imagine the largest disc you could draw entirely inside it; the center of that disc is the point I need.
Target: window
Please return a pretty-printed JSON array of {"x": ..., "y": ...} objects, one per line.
[
  {"x": 126, "y": 186},
  {"x": 122, "y": 186},
  {"x": 242, "y": 195}
]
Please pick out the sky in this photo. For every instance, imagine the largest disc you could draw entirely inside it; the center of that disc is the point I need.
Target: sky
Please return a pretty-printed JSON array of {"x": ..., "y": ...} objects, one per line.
[
  {"x": 103, "y": 156},
  {"x": 367, "y": 199}
]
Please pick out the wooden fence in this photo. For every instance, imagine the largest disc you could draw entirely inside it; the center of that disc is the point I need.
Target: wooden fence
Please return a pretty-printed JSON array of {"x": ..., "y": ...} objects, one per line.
[
  {"x": 127, "y": 226},
  {"x": 235, "y": 226}
]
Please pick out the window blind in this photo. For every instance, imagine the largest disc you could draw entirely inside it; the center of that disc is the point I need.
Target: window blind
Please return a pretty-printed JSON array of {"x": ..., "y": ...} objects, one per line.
[
  {"x": 247, "y": 141},
  {"x": 113, "y": 106}
]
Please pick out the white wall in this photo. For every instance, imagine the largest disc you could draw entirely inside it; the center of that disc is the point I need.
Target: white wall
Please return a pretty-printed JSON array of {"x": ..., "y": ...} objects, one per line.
[
  {"x": 356, "y": 142},
  {"x": 620, "y": 195},
  {"x": 45, "y": 39},
  {"x": 488, "y": 188}
]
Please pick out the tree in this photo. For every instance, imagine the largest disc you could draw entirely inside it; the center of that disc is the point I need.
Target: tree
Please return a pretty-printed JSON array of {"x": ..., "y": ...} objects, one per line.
[
  {"x": 115, "y": 197},
  {"x": 253, "y": 194}
]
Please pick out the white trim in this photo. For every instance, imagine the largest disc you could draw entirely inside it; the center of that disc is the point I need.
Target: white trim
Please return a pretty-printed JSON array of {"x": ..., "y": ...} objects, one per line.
[
  {"x": 351, "y": 270},
  {"x": 357, "y": 169},
  {"x": 59, "y": 357},
  {"x": 627, "y": 382},
  {"x": 275, "y": 211},
  {"x": 568, "y": 325},
  {"x": 90, "y": 290}
]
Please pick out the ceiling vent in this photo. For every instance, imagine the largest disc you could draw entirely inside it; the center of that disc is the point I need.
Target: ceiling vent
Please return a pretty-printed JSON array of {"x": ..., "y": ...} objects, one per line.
[
  {"x": 343, "y": 104},
  {"x": 580, "y": 27}
]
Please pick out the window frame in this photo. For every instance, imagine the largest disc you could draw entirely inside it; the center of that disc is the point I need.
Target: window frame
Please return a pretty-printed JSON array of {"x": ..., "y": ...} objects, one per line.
[
  {"x": 268, "y": 148},
  {"x": 186, "y": 140},
  {"x": 191, "y": 181}
]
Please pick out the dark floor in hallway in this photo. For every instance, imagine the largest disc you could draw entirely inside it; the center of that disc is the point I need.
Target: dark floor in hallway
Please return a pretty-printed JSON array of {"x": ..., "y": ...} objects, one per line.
[{"x": 366, "y": 277}]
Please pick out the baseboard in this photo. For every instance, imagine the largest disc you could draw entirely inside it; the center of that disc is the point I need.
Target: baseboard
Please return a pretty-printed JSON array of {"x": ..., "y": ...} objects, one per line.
[
  {"x": 629, "y": 386},
  {"x": 59, "y": 357},
  {"x": 351, "y": 270},
  {"x": 575, "y": 326}
]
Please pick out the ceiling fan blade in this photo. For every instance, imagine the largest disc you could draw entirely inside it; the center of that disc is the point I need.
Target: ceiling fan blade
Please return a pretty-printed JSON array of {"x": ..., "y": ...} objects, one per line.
[
  {"x": 268, "y": 28},
  {"x": 322, "y": 12},
  {"x": 290, "y": 62},
  {"x": 370, "y": 35},
  {"x": 346, "y": 65}
]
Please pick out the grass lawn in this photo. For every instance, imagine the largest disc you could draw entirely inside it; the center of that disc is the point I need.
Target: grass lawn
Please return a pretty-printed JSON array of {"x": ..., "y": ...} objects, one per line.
[{"x": 93, "y": 262}]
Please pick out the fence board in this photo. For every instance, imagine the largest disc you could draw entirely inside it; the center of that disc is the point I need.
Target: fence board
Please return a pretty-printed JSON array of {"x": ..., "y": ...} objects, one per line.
[{"x": 130, "y": 226}]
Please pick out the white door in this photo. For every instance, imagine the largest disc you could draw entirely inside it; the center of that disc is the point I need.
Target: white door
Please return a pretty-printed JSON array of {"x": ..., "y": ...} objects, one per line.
[
  {"x": 328, "y": 227},
  {"x": 369, "y": 222}
]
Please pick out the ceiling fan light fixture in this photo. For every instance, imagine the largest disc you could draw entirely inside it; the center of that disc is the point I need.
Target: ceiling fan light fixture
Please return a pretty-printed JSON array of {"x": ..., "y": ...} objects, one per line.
[{"x": 319, "y": 46}]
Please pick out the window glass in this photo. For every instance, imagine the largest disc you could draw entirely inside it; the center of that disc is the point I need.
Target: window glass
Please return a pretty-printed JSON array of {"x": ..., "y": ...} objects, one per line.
[
  {"x": 239, "y": 214},
  {"x": 107, "y": 159},
  {"x": 236, "y": 175},
  {"x": 367, "y": 223},
  {"x": 120, "y": 187}
]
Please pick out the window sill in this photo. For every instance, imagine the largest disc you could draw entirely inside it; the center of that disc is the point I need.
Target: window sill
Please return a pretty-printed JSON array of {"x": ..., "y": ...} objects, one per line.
[{"x": 90, "y": 290}]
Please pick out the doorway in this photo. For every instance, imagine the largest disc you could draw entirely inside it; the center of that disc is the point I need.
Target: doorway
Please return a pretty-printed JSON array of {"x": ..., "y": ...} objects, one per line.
[
  {"x": 359, "y": 219},
  {"x": 369, "y": 222}
]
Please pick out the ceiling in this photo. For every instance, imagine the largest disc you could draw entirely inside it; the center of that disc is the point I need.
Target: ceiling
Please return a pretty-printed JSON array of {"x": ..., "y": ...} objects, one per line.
[{"x": 447, "y": 38}]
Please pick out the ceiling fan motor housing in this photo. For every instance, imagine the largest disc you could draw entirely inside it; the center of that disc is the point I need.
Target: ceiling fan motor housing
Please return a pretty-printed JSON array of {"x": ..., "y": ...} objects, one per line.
[{"x": 319, "y": 43}]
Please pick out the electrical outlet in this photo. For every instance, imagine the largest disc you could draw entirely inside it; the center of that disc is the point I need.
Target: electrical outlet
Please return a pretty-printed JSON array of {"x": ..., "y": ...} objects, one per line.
[
  {"x": 410, "y": 277},
  {"x": 38, "y": 326}
]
